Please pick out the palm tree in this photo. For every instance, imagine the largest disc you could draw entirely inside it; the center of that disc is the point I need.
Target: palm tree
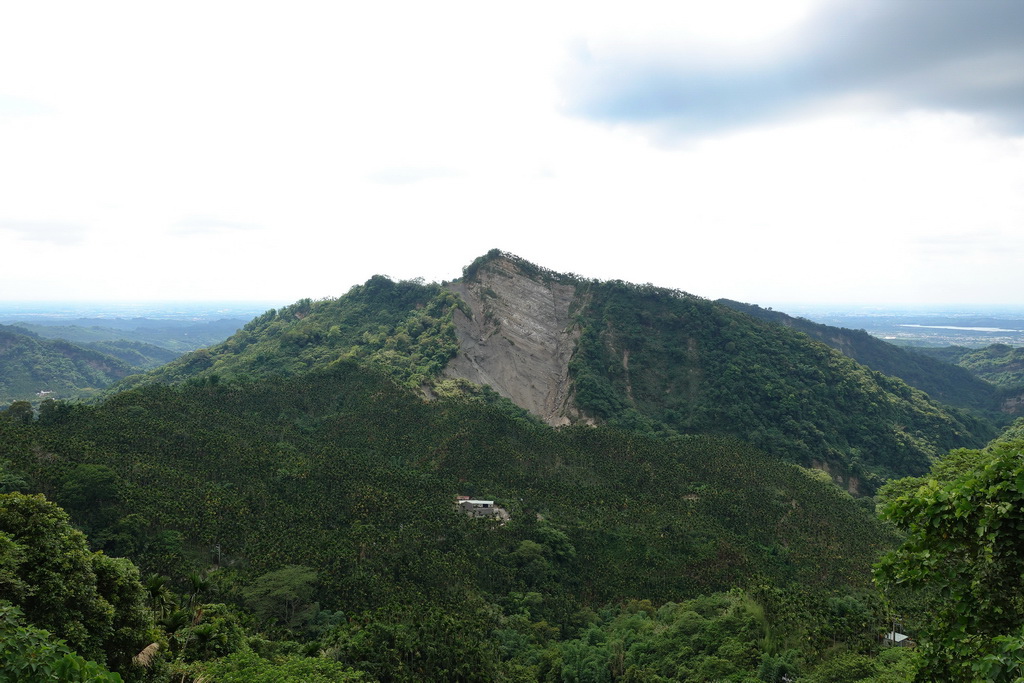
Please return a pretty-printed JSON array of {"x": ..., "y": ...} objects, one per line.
[
  {"x": 160, "y": 596},
  {"x": 199, "y": 585}
]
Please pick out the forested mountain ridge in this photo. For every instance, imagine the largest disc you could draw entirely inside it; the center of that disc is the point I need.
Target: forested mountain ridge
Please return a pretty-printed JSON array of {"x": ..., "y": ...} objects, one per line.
[
  {"x": 570, "y": 350},
  {"x": 295, "y": 489},
  {"x": 174, "y": 335},
  {"x": 30, "y": 364},
  {"x": 999, "y": 364},
  {"x": 937, "y": 377}
]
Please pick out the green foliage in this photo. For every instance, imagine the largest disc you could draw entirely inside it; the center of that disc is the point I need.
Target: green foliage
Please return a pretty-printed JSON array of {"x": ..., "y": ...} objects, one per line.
[
  {"x": 656, "y": 360},
  {"x": 19, "y": 412},
  {"x": 998, "y": 364},
  {"x": 131, "y": 628},
  {"x": 528, "y": 269},
  {"x": 416, "y": 644},
  {"x": 248, "y": 667},
  {"x": 216, "y": 630},
  {"x": 716, "y": 637},
  {"x": 283, "y": 597},
  {"x": 1014, "y": 432},
  {"x": 403, "y": 328},
  {"x": 88, "y": 491},
  {"x": 30, "y": 364},
  {"x": 91, "y": 601},
  {"x": 10, "y": 479},
  {"x": 139, "y": 355},
  {"x": 33, "y": 655},
  {"x": 935, "y": 376},
  {"x": 964, "y": 552},
  {"x": 344, "y": 472}
]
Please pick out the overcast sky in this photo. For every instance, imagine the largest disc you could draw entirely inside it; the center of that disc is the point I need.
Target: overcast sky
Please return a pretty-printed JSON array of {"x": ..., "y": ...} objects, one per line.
[{"x": 809, "y": 151}]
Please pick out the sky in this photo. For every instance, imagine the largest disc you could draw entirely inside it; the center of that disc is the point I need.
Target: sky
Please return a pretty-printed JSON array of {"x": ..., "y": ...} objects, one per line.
[{"x": 797, "y": 151}]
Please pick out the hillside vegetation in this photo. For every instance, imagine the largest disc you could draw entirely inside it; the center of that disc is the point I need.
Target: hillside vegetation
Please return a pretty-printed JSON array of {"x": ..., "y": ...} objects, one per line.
[
  {"x": 287, "y": 497},
  {"x": 937, "y": 376},
  {"x": 344, "y": 471},
  {"x": 676, "y": 361},
  {"x": 404, "y": 328},
  {"x": 998, "y": 364},
  {"x": 30, "y": 364},
  {"x": 647, "y": 358}
]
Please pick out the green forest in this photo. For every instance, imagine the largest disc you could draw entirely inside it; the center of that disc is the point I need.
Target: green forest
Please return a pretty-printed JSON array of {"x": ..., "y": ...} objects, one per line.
[
  {"x": 281, "y": 507},
  {"x": 33, "y": 368}
]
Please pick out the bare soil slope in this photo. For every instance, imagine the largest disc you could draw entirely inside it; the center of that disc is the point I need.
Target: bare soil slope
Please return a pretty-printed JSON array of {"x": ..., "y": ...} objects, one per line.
[{"x": 519, "y": 339}]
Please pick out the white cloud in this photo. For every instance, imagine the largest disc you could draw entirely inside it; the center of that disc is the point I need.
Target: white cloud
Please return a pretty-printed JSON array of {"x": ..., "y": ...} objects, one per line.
[
  {"x": 51, "y": 232},
  {"x": 246, "y": 151}
]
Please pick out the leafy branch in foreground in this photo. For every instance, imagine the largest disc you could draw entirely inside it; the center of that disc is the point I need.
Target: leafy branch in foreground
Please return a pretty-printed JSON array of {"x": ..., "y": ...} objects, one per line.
[{"x": 965, "y": 551}]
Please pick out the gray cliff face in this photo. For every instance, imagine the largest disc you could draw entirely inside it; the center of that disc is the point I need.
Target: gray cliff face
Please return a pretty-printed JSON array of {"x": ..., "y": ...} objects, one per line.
[{"x": 519, "y": 340}]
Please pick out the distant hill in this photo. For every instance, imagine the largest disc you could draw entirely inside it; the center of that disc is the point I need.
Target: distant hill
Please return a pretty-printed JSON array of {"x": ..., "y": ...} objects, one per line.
[
  {"x": 573, "y": 350},
  {"x": 935, "y": 375},
  {"x": 32, "y": 368},
  {"x": 174, "y": 335},
  {"x": 139, "y": 355},
  {"x": 999, "y": 364}
]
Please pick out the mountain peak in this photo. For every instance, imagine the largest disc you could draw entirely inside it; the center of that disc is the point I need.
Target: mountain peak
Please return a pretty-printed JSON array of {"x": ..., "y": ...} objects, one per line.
[
  {"x": 518, "y": 336},
  {"x": 512, "y": 263}
]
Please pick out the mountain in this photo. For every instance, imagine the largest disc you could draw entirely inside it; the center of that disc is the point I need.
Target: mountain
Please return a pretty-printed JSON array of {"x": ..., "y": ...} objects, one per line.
[
  {"x": 32, "y": 367},
  {"x": 999, "y": 364},
  {"x": 139, "y": 355},
  {"x": 572, "y": 350},
  {"x": 174, "y": 335},
  {"x": 938, "y": 377},
  {"x": 666, "y": 464}
]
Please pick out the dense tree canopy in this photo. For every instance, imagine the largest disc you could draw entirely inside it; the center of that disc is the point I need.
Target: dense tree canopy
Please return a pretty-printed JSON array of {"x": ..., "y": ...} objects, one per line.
[
  {"x": 964, "y": 552},
  {"x": 290, "y": 498},
  {"x": 93, "y": 602}
]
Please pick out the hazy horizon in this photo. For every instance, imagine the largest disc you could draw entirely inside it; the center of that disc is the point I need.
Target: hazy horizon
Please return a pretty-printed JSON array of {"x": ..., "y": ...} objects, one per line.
[{"x": 11, "y": 309}]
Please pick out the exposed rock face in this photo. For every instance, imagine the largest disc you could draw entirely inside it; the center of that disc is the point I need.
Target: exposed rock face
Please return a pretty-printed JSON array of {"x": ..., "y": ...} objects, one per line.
[
  {"x": 851, "y": 482},
  {"x": 519, "y": 340}
]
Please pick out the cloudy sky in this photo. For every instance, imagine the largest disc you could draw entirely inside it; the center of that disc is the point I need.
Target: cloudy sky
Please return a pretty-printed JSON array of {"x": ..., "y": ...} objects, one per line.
[{"x": 811, "y": 151}]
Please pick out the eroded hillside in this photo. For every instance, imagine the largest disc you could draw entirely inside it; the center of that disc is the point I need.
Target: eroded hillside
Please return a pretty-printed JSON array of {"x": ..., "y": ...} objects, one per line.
[
  {"x": 519, "y": 338},
  {"x": 637, "y": 357}
]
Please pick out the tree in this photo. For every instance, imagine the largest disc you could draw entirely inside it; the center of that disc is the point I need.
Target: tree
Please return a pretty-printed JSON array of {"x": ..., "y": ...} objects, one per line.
[
  {"x": 131, "y": 628},
  {"x": 965, "y": 542},
  {"x": 31, "y": 655},
  {"x": 20, "y": 412},
  {"x": 248, "y": 667},
  {"x": 88, "y": 491},
  {"x": 283, "y": 597},
  {"x": 10, "y": 480},
  {"x": 94, "y": 602}
]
